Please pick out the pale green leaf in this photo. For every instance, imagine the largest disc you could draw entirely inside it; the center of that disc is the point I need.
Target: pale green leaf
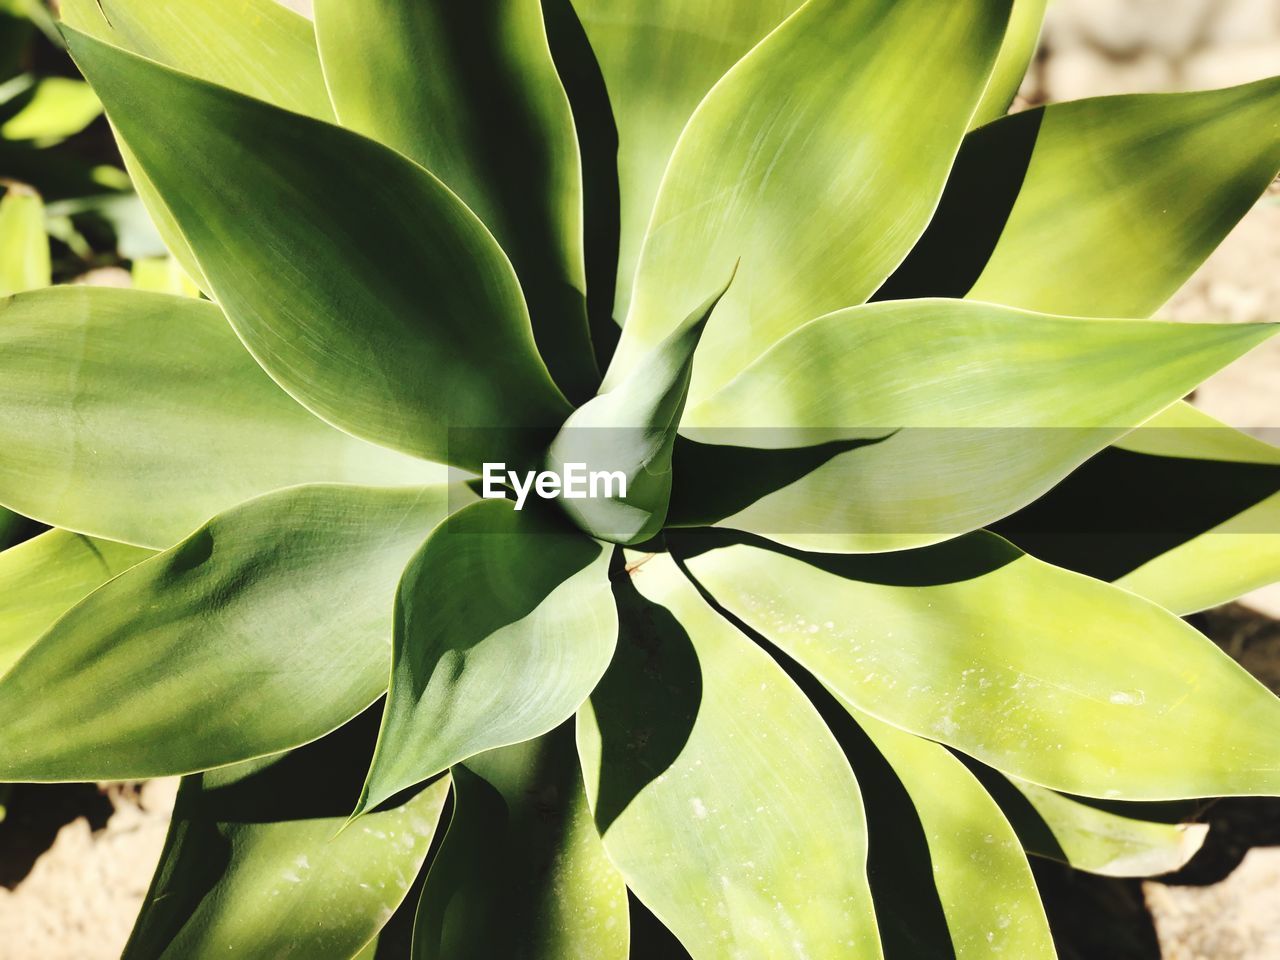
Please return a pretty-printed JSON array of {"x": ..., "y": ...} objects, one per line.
[
  {"x": 138, "y": 416},
  {"x": 1046, "y": 674},
  {"x": 984, "y": 882},
  {"x": 819, "y": 196},
  {"x": 360, "y": 282},
  {"x": 42, "y": 579},
  {"x": 24, "y": 247},
  {"x": 1099, "y": 208},
  {"x": 504, "y": 623},
  {"x": 257, "y": 47},
  {"x": 1016, "y": 53},
  {"x": 166, "y": 226},
  {"x": 1184, "y": 510},
  {"x": 721, "y": 796},
  {"x": 256, "y": 865},
  {"x": 631, "y": 431},
  {"x": 58, "y": 108},
  {"x": 1238, "y": 555},
  {"x": 659, "y": 58},
  {"x": 264, "y": 630},
  {"x": 469, "y": 90},
  {"x": 1098, "y": 840},
  {"x": 522, "y": 873},
  {"x": 977, "y": 410}
]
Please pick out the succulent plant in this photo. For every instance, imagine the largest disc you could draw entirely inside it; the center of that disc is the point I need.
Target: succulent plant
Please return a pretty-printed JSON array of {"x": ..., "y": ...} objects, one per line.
[{"x": 890, "y": 599}]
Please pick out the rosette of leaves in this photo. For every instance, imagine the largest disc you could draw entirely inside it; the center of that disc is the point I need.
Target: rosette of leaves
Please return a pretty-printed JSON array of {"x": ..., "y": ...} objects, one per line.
[{"x": 788, "y": 267}]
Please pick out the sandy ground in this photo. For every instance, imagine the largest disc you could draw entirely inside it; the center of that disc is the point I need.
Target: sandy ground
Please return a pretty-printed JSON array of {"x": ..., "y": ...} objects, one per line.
[{"x": 78, "y": 898}]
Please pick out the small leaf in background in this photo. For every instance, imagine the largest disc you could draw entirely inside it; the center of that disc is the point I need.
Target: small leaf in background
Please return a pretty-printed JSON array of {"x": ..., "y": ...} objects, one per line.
[
  {"x": 522, "y": 874},
  {"x": 264, "y": 630},
  {"x": 503, "y": 625},
  {"x": 722, "y": 798},
  {"x": 361, "y": 283},
  {"x": 162, "y": 275},
  {"x": 58, "y": 107},
  {"x": 819, "y": 196},
  {"x": 999, "y": 406},
  {"x": 46, "y": 576},
  {"x": 137, "y": 416},
  {"x": 24, "y": 245},
  {"x": 1039, "y": 672},
  {"x": 256, "y": 864}
]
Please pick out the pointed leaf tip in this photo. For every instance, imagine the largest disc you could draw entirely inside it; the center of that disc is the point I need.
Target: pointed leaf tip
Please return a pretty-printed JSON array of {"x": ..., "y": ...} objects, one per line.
[{"x": 630, "y": 430}]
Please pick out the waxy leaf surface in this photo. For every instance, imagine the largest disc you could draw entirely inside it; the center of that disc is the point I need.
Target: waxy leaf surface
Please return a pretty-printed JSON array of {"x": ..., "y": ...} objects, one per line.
[
  {"x": 360, "y": 282},
  {"x": 46, "y": 576},
  {"x": 138, "y": 416},
  {"x": 256, "y": 864},
  {"x": 721, "y": 796},
  {"x": 262, "y": 631},
  {"x": 504, "y": 623},
  {"x": 977, "y": 409},
  {"x": 522, "y": 873},
  {"x": 819, "y": 196},
  {"x": 469, "y": 91},
  {"x": 1039, "y": 672}
]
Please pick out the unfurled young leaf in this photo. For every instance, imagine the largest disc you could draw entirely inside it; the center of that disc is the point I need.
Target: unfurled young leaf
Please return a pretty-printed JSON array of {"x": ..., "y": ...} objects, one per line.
[{"x": 831, "y": 709}]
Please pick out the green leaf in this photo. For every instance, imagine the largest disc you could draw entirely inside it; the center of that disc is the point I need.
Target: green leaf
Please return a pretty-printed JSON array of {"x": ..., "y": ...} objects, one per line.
[
  {"x": 1099, "y": 208},
  {"x": 360, "y": 282},
  {"x": 504, "y": 623},
  {"x": 175, "y": 241},
  {"x": 256, "y": 864},
  {"x": 1232, "y": 558},
  {"x": 658, "y": 61},
  {"x": 1051, "y": 676},
  {"x": 264, "y": 630},
  {"x": 256, "y": 47},
  {"x": 58, "y": 108},
  {"x": 631, "y": 431},
  {"x": 1002, "y": 403},
  {"x": 137, "y": 416},
  {"x": 24, "y": 248},
  {"x": 721, "y": 796},
  {"x": 1092, "y": 838},
  {"x": 522, "y": 873},
  {"x": 1184, "y": 510},
  {"x": 1016, "y": 53},
  {"x": 984, "y": 882},
  {"x": 471, "y": 93},
  {"x": 819, "y": 196},
  {"x": 42, "y": 579}
]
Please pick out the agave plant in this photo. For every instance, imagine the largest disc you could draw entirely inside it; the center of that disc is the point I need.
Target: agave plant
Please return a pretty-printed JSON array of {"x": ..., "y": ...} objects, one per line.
[{"x": 839, "y": 335}]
